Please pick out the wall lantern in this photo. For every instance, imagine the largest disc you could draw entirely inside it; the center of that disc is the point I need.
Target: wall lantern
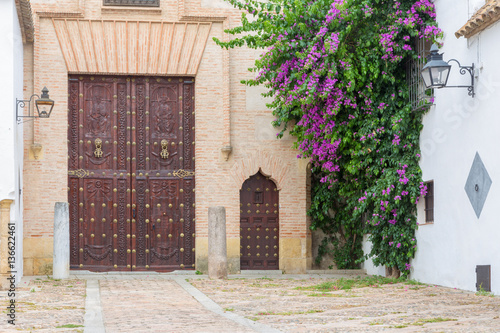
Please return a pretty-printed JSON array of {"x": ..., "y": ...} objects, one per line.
[
  {"x": 436, "y": 71},
  {"x": 43, "y": 104}
]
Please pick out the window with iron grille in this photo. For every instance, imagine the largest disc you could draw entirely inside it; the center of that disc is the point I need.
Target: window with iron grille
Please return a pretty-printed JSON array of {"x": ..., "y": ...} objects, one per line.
[
  {"x": 419, "y": 96},
  {"x": 429, "y": 202},
  {"x": 136, "y": 3}
]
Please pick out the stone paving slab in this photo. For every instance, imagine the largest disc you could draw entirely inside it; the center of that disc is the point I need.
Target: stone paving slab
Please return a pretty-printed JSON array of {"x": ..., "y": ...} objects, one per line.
[{"x": 157, "y": 305}]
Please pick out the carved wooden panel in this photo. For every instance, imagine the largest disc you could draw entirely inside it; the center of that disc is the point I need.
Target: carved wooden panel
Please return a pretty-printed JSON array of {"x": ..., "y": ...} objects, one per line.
[
  {"x": 259, "y": 223},
  {"x": 131, "y": 173}
]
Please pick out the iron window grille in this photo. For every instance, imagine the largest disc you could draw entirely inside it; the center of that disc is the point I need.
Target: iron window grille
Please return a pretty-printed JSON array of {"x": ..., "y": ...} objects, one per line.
[
  {"x": 419, "y": 97},
  {"x": 136, "y": 3},
  {"x": 429, "y": 202}
]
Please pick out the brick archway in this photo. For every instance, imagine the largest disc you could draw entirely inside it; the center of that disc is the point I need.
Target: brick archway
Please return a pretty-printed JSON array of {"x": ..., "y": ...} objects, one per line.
[{"x": 269, "y": 165}]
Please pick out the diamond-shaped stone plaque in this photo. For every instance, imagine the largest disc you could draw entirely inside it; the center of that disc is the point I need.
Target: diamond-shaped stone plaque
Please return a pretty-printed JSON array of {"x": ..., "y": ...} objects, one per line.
[{"x": 478, "y": 185}]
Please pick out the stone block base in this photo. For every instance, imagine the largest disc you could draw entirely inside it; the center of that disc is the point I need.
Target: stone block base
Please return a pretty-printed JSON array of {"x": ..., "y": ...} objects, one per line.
[
  {"x": 38, "y": 254},
  {"x": 295, "y": 255},
  {"x": 233, "y": 255}
]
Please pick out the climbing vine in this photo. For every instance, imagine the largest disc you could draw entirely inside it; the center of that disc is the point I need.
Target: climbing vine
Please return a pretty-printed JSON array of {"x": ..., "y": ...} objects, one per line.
[{"x": 335, "y": 70}]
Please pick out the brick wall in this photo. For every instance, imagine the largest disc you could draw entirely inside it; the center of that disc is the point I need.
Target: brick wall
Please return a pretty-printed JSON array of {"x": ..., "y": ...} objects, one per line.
[{"x": 223, "y": 105}]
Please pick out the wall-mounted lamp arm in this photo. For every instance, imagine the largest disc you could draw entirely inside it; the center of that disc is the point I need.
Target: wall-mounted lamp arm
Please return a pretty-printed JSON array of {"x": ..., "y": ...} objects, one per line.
[
  {"x": 463, "y": 70},
  {"x": 21, "y": 103}
]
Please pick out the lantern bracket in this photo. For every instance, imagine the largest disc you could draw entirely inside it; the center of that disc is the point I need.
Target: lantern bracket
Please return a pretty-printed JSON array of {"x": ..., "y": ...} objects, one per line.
[
  {"x": 463, "y": 70},
  {"x": 21, "y": 103}
]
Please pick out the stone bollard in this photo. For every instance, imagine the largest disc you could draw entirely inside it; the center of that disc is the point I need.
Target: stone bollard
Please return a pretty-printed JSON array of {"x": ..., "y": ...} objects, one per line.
[
  {"x": 217, "y": 248},
  {"x": 60, "y": 267}
]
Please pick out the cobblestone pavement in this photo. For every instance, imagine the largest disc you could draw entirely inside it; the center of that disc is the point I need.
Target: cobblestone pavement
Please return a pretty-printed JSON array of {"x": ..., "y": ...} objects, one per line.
[
  {"x": 298, "y": 305},
  {"x": 46, "y": 305},
  {"x": 162, "y": 303}
]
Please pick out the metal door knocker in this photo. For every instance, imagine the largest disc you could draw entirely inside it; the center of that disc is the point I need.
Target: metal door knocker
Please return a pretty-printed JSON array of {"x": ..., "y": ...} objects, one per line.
[
  {"x": 98, "y": 146},
  {"x": 164, "y": 146}
]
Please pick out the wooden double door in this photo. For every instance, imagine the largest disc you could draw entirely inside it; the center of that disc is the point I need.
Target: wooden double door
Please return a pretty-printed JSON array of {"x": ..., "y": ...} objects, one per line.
[{"x": 131, "y": 173}]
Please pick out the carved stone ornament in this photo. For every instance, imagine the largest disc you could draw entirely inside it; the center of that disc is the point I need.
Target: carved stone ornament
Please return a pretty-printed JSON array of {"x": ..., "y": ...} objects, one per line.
[
  {"x": 226, "y": 151},
  {"x": 36, "y": 148}
]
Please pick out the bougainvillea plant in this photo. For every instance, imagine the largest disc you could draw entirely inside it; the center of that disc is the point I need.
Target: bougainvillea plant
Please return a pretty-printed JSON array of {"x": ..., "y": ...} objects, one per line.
[{"x": 335, "y": 70}]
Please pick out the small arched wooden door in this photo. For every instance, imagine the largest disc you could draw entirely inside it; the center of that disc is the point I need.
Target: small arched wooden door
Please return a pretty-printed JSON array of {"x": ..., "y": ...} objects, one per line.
[{"x": 259, "y": 224}]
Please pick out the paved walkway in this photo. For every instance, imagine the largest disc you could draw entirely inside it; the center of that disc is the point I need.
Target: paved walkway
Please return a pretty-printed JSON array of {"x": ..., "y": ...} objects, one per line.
[
  {"x": 120, "y": 302},
  {"x": 152, "y": 302}
]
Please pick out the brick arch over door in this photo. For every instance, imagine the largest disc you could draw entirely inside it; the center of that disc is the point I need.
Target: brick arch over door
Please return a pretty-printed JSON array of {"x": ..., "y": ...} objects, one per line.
[
  {"x": 270, "y": 166},
  {"x": 132, "y": 47}
]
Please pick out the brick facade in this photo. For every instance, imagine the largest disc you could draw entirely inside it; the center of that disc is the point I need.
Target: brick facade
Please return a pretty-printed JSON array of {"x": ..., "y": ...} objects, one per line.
[{"x": 228, "y": 114}]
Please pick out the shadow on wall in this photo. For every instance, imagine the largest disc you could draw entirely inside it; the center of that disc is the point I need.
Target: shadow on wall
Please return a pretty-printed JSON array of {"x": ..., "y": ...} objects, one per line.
[{"x": 327, "y": 259}]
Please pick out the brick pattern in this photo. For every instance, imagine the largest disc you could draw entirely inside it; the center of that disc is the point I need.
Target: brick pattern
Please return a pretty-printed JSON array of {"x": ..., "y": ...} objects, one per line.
[
  {"x": 270, "y": 165},
  {"x": 25, "y": 19},
  {"x": 222, "y": 119}
]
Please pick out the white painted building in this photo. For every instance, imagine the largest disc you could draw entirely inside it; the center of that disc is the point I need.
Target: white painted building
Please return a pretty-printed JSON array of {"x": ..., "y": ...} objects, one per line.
[
  {"x": 463, "y": 232},
  {"x": 16, "y": 26}
]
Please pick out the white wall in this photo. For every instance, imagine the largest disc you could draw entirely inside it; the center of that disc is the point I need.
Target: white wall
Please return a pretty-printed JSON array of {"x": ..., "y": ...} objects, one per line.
[
  {"x": 7, "y": 110},
  {"x": 455, "y": 129},
  {"x": 11, "y": 143},
  {"x": 18, "y": 143},
  {"x": 368, "y": 265}
]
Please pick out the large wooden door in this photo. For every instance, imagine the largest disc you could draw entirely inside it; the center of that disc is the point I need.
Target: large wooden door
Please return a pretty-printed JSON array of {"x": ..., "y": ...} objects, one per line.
[
  {"x": 259, "y": 223},
  {"x": 131, "y": 173}
]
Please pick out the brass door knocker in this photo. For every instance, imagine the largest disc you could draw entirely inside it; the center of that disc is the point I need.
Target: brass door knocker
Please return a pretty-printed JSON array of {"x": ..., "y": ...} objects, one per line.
[
  {"x": 98, "y": 146},
  {"x": 164, "y": 146}
]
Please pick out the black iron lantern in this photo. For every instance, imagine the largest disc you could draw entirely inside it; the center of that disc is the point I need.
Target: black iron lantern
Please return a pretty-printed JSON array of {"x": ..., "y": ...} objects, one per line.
[
  {"x": 436, "y": 71},
  {"x": 43, "y": 104}
]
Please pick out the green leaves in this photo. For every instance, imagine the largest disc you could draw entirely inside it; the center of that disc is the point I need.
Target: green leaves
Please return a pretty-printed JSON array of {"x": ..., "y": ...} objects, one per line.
[{"x": 336, "y": 72}]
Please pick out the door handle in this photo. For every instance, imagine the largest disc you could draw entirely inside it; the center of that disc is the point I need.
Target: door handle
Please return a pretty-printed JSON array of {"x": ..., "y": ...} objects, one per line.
[{"x": 133, "y": 213}]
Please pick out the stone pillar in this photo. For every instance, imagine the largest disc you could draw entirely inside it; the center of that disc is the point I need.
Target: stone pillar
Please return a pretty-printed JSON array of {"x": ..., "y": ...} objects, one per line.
[
  {"x": 217, "y": 248},
  {"x": 60, "y": 265},
  {"x": 4, "y": 240}
]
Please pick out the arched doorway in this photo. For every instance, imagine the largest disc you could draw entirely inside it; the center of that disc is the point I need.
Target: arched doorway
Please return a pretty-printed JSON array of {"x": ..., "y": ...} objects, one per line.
[{"x": 259, "y": 223}]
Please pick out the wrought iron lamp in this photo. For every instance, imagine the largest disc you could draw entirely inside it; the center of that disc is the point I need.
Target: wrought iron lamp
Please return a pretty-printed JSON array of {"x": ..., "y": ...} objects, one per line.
[
  {"x": 43, "y": 104},
  {"x": 436, "y": 71}
]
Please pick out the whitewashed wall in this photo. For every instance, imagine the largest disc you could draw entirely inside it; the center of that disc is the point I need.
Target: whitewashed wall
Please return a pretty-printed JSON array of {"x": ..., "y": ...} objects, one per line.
[
  {"x": 455, "y": 129},
  {"x": 368, "y": 265},
  {"x": 11, "y": 86}
]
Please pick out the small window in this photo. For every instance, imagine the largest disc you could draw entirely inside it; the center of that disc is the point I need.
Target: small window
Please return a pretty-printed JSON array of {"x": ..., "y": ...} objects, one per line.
[
  {"x": 429, "y": 203},
  {"x": 136, "y": 3},
  {"x": 258, "y": 198}
]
